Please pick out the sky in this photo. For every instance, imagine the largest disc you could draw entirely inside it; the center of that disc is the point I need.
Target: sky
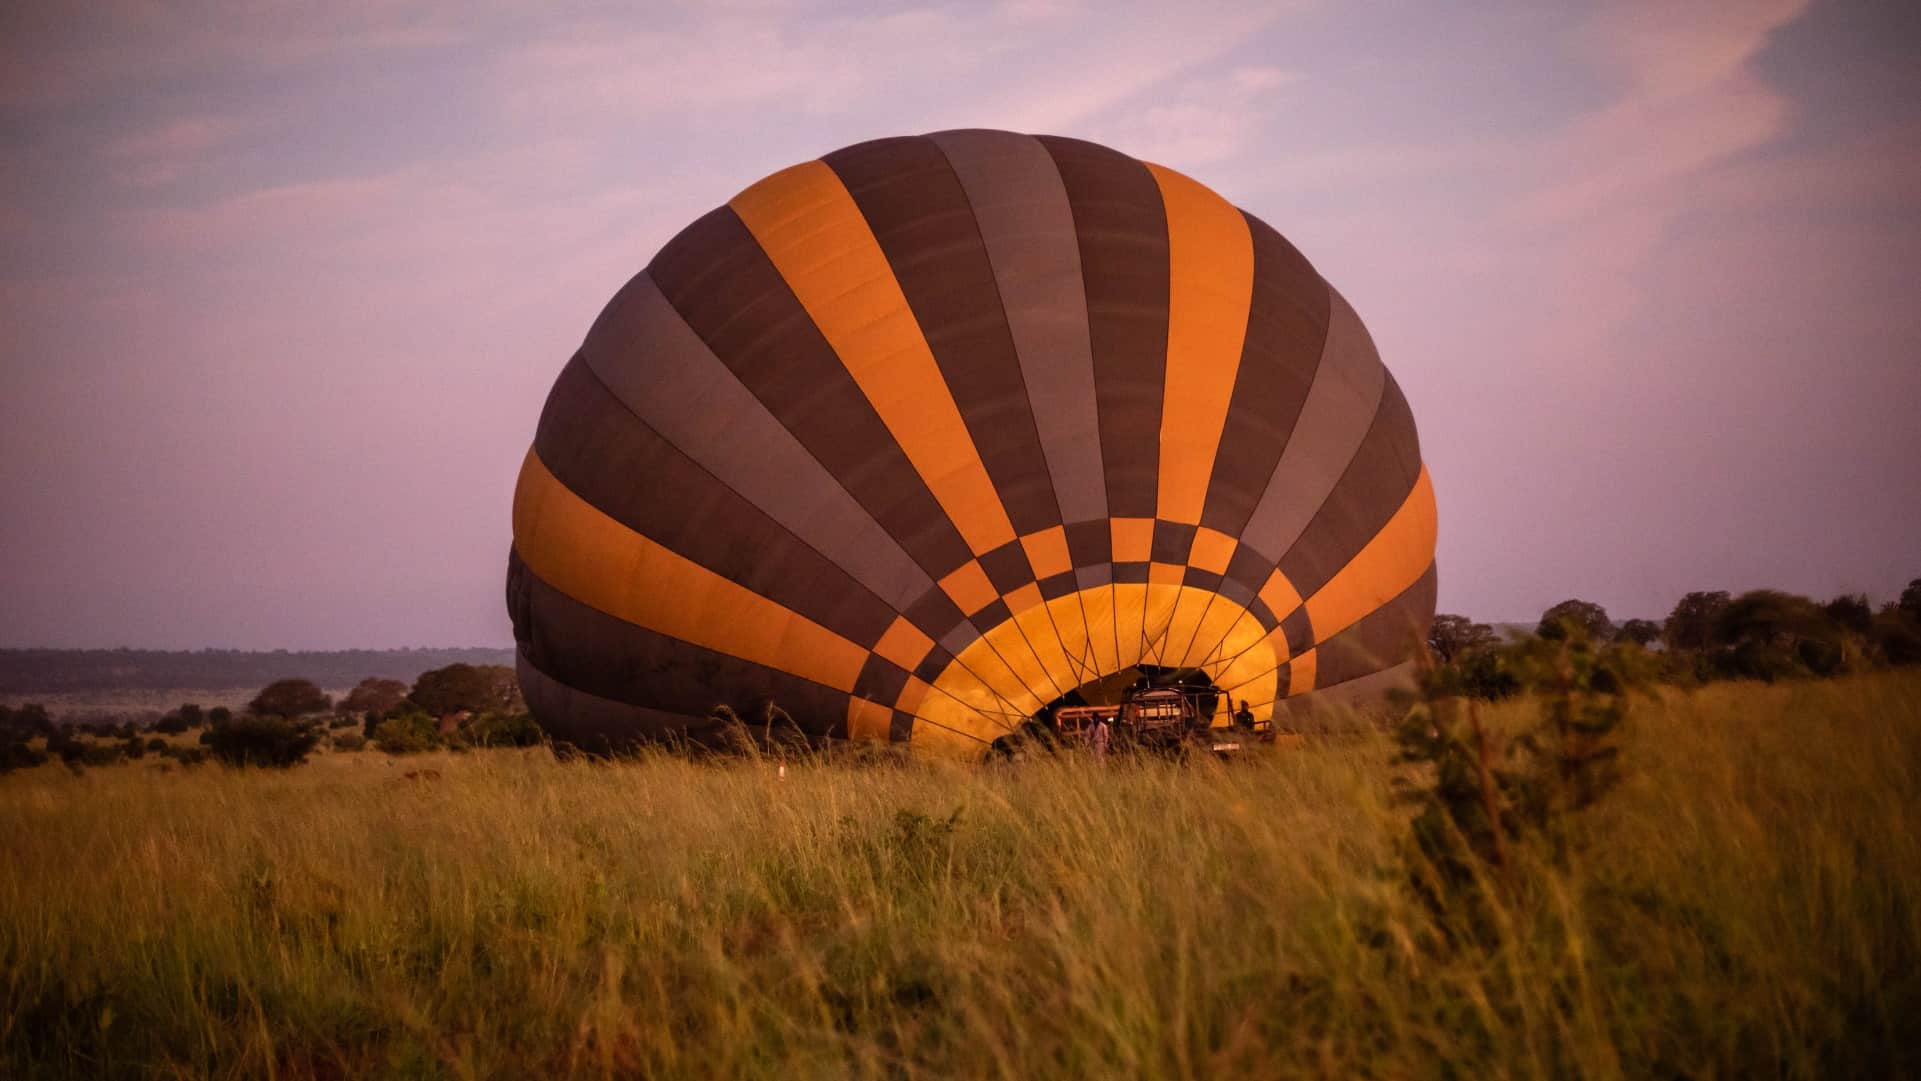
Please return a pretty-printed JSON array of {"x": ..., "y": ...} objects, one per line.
[{"x": 283, "y": 286}]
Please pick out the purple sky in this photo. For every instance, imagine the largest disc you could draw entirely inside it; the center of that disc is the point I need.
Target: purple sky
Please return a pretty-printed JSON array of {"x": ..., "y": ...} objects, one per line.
[{"x": 282, "y": 294}]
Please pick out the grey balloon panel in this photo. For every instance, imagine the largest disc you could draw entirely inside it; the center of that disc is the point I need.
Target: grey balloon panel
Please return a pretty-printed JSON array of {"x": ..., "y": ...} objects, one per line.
[
  {"x": 651, "y": 360},
  {"x": 1021, "y": 208},
  {"x": 1347, "y": 702},
  {"x": 1339, "y": 409},
  {"x": 1372, "y": 488},
  {"x": 599, "y": 724}
]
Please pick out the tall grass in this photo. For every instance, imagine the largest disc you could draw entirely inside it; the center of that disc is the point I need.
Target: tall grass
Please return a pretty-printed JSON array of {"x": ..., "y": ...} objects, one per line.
[{"x": 1745, "y": 904}]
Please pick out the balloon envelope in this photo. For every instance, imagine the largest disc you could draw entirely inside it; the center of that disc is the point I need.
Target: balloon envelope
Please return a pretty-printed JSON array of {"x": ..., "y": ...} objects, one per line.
[{"x": 915, "y": 439}]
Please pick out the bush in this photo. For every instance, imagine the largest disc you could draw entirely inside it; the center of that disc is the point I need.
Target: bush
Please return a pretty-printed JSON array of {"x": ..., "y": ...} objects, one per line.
[
  {"x": 349, "y": 741},
  {"x": 189, "y": 716},
  {"x": 261, "y": 741},
  {"x": 502, "y": 730},
  {"x": 29, "y": 720},
  {"x": 187, "y": 756},
  {"x": 1897, "y": 640},
  {"x": 408, "y": 733},
  {"x": 16, "y": 753}
]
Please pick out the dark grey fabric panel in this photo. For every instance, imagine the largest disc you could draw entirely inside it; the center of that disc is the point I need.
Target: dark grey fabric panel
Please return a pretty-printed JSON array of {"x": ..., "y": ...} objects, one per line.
[
  {"x": 1121, "y": 224},
  {"x": 657, "y": 367},
  {"x": 1286, "y": 336},
  {"x": 1340, "y": 406},
  {"x": 922, "y": 220},
  {"x": 720, "y": 281},
  {"x": 623, "y": 468},
  {"x": 1021, "y": 209},
  {"x": 600, "y": 725},
  {"x": 610, "y": 658},
  {"x": 1358, "y": 703},
  {"x": 1372, "y": 487},
  {"x": 1380, "y": 639}
]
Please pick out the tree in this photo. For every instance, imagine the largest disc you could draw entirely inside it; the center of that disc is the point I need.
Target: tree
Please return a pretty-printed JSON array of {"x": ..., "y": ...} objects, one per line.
[
  {"x": 373, "y": 696},
  {"x": 1910, "y": 601},
  {"x": 1691, "y": 626},
  {"x": 1769, "y": 635},
  {"x": 1589, "y": 617},
  {"x": 259, "y": 740},
  {"x": 1642, "y": 632},
  {"x": 1452, "y": 636},
  {"x": 457, "y": 687},
  {"x": 1851, "y": 611},
  {"x": 31, "y": 719},
  {"x": 1897, "y": 638},
  {"x": 289, "y": 698}
]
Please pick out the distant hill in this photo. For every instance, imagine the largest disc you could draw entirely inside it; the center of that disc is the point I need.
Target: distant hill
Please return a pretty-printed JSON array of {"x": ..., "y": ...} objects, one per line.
[{"x": 45, "y": 671}]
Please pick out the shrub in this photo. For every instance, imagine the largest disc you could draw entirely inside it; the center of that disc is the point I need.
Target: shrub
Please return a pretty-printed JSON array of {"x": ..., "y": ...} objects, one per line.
[
  {"x": 189, "y": 716},
  {"x": 502, "y": 730},
  {"x": 261, "y": 741},
  {"x": 30, "y": 719},
  {"x": 1481, "y": 795},
  {"x": 407, "y": 733},
  {"x": 349, "y": 741},
  {"x": 17, "y": 753},
  {"x": 1896, "y": 639}
]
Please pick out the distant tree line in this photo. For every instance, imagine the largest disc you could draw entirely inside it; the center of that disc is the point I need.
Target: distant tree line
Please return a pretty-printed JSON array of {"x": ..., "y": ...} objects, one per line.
[
  {"x": 55, "y": 671},
  {"x": 454, "y": 707},
  {"x": 1763, "y": 634}
]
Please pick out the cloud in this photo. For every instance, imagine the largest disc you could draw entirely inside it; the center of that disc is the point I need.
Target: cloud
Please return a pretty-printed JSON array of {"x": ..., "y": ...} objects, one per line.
[
  {"x": 1205, "y": 120},
  {"x": 169, "y": 151},
  {"x": 1020, "y": 66},
  {"x": 1601, "y": 194},
  {"x": 56, "y": 53}
]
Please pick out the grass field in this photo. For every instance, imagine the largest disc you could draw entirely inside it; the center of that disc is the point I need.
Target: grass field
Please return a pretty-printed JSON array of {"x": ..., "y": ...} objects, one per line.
[{"x": 1745, "y": 905}]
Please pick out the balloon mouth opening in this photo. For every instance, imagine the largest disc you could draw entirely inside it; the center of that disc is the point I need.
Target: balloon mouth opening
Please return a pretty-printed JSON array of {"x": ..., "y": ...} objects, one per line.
[{"x": 1111, "y": 690}]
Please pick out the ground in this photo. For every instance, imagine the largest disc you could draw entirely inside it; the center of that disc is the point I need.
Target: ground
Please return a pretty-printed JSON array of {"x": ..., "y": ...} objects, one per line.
[{"x": 1743, "y": 905}]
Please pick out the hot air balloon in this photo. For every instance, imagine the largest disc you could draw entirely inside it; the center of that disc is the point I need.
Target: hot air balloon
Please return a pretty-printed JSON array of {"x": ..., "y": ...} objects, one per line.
[{"x": 921, "y": 438}]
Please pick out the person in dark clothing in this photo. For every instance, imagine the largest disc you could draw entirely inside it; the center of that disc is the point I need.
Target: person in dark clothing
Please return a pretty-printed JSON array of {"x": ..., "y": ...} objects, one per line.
[{"x": 1244, "y": 717}]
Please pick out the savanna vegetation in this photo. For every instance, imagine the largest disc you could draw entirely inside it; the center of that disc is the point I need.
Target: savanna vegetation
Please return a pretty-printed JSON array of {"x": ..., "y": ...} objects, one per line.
[
  {"x": 1582, "y": 880},
  {"x": 1762, "y": 634},
  {"x": 1685, "y": 848}
]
